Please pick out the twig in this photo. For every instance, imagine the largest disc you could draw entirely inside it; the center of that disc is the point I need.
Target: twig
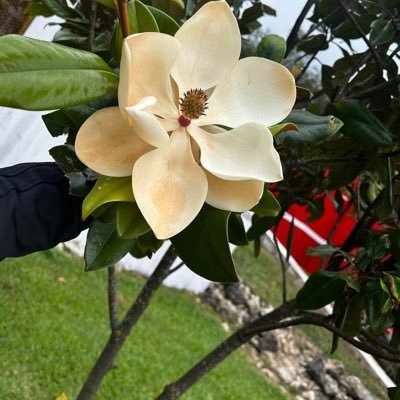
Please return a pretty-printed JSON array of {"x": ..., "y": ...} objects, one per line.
[
  {"x": 123, "y": 17},
  {"x": 293, "y": 38},
  {"x": 379, "y": 343},
  {"x": 308, "y": 63},
  {"x": 112, "y": 309},
  {"x": 283, "y": 269},
  {"x": 353, "y": 70},
  {"x": 179, "y": 266},
  {"x": 106, "y": 359},
  {"x": 92, "y": 23},
  {"x": 339, "y": 220},
  {"x": 375, "y": 89},
  {"x": 361, "y": 32}
]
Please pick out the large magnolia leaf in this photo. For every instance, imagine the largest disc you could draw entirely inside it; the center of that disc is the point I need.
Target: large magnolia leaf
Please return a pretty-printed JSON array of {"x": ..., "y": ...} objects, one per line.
[
  {"x": 311, "y": 127},
  {"x": 103, "y": 246},
  {"x": 203, "y": 246},
  {"x": 38, "y": 75},
  {"x": 321, "y": 288},
  {"x": 361, "y": 124},
  {"x": 106, "y": 190}
]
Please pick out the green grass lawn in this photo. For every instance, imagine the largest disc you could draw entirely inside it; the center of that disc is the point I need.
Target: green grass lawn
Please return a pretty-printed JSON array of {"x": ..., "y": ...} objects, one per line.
[
  {"x": 53, "y": 324},
  {"x": 263, "y": 275}
]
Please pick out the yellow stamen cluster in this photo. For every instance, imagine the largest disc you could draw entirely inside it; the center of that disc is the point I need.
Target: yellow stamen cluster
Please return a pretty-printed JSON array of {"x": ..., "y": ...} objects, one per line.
[{"x": 193, "y": 103}]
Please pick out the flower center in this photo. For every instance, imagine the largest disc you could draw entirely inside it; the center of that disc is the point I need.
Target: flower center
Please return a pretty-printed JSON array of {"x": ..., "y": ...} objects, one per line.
[{"x": 193, "y": 103}]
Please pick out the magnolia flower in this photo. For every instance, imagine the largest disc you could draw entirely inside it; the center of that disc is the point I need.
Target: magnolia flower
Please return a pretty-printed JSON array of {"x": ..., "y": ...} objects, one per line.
[{"x": 176, "y": 97}]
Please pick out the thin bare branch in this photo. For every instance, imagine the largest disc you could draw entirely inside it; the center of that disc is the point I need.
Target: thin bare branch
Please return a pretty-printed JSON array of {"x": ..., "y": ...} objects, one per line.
[
  {"x": 123, "y": 17},
  {"x": 361, "y": 32},
  {"x": 112, "y": 304},
  {"x": 375, "y": 89},
  {"x": 92, "y": 23},
  {"x": 110, "y": 351},
  {"x": 283, "y": 269},
  {"x": 293, "y": 35}
]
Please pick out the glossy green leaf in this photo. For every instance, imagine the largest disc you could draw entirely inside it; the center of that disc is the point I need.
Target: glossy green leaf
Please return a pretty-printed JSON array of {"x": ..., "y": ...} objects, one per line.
[
  {"x": 81, "y": 182},
  {"x": 272, "y": 47},
  {"x": 103, "y": 246},
  {"x": 313, "y": 44},
  {"x": 287, "y": 126},
  {"x": 236, "y": 230},
  {"x": 174, "y": 8},
  {"x": 260, "y": 226},
  {"x": 58, "y": 123},
  {"x": 311, "y": 127},
  {"x": 394, "y": 285},
  {"x": 382, "y": 32},
  {"x": 38, "y": 75},
  {"x": 60, "y": 8},
  {"x": 149, "y": 244},
  {"x": 323, "y": 250},
  {"x": 140, "y": 20},
  {"x": 165, "y": 23},
  {"x": 380, "y": 318},
  {"x": 361, "y": 125},
  {"x": 106, "y": 190},
  {"x": 130, "y": 221},
  {"x": 321, "y": 288},
  {"x": 351, "y": 324},
  {"x": 268, "y": 206},
  {"x": 36, "y": 8},
  {"x": 203, "y": 246},
  {"x": 65, "y": 157},
  {"x": 107, "y": 3}
]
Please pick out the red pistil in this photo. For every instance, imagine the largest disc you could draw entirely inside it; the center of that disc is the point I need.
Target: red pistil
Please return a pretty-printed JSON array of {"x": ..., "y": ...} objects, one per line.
[{"x": 184, "y": 122}]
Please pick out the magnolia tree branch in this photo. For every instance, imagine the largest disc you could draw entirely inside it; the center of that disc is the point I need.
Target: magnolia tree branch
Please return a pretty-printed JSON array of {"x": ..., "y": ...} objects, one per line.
[
  {"x": 112, "y": 304},
  {"x": 284, "y": 316},
  {"x": 283, "y": 269},
  {"x": 375, "y": 89},
  {"x": 106, "y": 359},
  {"x": 278, "y": 318},
  {"x": 92, "y": 23},
  {"x": 122, "y": 11},
  {"x": 293, "y": 35},
  {"x": 361, "y": 32}
]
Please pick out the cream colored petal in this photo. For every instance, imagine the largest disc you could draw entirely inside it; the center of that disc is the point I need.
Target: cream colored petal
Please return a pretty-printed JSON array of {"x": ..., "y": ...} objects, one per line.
[
  {"x": 146, "y": 125},
  {"x": 210, "y": 47},
  {"x": 237, "y": 196},
  {"x": 258, "y": 90},
  {"x": 107, "y": 144},
  {"x": 246, "y": 152},
  {"x": 169, "y": 187},
  {"x": 170, "y": 124},
  {"x": 146, "y": 62}
]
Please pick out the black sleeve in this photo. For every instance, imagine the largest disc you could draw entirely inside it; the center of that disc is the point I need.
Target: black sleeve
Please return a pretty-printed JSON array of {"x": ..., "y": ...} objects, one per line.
[{"x": 36, "y": 210}]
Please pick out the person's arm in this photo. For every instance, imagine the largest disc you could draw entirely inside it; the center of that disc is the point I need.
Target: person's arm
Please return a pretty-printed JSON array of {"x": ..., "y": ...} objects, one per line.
[{"x": 36, "y": 210}]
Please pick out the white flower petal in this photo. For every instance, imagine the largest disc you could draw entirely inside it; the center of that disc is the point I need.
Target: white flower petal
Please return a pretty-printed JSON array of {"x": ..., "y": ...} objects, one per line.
[
  {"x": 258, "y": 90},
  {"x": 169, "y": 187},
  {"x": 146, "y": 62},
  {"x": 210, "y": 47},
  {"x": 246, "y": 152},
  {"x": 237, "y": 196},
  {"x": 107, "y": 144},
  {"x": 170, "y": 124},
  {"x": 146, "y": 125}
]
